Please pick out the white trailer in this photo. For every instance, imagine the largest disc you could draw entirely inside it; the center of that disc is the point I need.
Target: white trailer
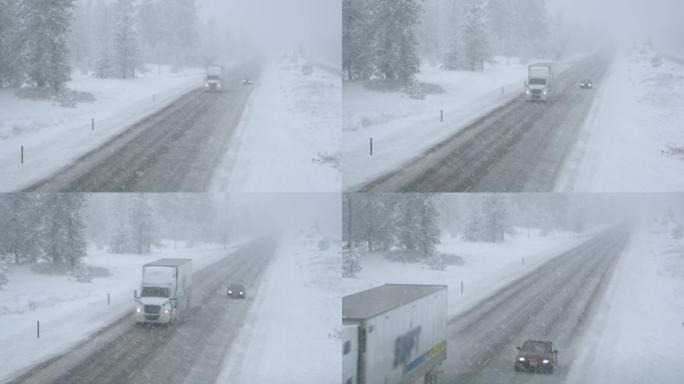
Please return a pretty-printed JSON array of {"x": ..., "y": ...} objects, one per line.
[
  {"x": 213, "y": 81},
  {"x": 164, "y": 292},
  {"x": 394, "y": 334},
  {"x": 539, "y": 82}
]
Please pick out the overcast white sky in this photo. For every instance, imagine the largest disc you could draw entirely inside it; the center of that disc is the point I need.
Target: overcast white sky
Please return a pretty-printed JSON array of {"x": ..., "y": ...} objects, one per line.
[{"x": 277, "y": 26}]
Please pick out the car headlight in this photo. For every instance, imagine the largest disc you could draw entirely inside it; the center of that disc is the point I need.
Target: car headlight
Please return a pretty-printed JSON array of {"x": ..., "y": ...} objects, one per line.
[
  {"x": 230, "y": 292},
  {"x": 521, "y": 358},
  {"x": 545, "y": 361}
]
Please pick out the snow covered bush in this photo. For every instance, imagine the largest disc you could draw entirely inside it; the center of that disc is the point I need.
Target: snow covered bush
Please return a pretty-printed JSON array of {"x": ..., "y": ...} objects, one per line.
[
  {"x": 351, "y": 262},
  {"x": 81, "y": 273},
  {"x": 678, "y": 232}
]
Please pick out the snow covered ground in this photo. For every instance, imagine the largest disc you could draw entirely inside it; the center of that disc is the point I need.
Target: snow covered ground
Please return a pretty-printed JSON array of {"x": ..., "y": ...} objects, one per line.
[
  {"x": 289, "y": 136},
  {"x": 290, "y": 335},
  {"x": 638, "y": 333},
  {"x": 633, "y": 139},
  {"x": 53, "y": 136},
  {"x": 487, "y": 266},
  {"x": 403, "y": 128},
  {"x": 77, "y": 309}
]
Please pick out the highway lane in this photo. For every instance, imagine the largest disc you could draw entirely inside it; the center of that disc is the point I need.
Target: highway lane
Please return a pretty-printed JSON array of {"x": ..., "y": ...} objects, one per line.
[
  {"x": 555, "y": 302},
  {"x": 521, "y": 146},
  {"x": 173, "y": 150},
  {"x": 126, "y": 353}
]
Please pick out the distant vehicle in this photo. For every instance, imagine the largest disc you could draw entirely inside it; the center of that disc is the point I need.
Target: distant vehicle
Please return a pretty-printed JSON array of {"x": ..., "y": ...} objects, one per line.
[
  {"x": 586, "y": 84},
  {"x": 164, "y": 292},
  {"x": 247, "y": 81},
  {"x": 394, "y": 334},
  {"x": 213, "y": 82},
  {"x": 536, "y": 356},
  {"x": 236, "y": 291},
  {"x": 539, "y": 82}
]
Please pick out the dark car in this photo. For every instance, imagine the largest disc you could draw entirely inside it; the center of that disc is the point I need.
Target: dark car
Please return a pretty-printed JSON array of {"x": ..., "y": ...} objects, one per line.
[
  {"x": 536, "y": 356},
  {"x": 586, "y": 84},
  {"x": 236, "y": 291},
  {"x": 247, "y": 81}
]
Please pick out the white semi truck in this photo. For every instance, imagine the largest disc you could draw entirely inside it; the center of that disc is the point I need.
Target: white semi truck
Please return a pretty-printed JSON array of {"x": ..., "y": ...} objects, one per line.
[
  {"x": 394, "y": 334},
  {"x": 213, "y": 82},
  {"x": 164, "y": 292},
  {"x": 539, "y": 82}
]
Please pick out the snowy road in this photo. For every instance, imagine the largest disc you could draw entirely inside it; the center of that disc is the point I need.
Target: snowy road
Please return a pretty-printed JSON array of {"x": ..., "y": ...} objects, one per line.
[
  {"x": 518, "y": 147},
  {"x": 555, "y": 303},
  {"x": 174, "y": 150},
  {"x": 192, "y": 352}
]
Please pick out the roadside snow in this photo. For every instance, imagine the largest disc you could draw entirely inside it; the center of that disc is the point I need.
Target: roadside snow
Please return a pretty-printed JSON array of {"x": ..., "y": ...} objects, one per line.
[
  {"x": 53, "y": 136},
  {"x": 77, "y": 310},
  {"x": 290, "y": 334},
  {"x": 487, "y": 268},
  {"x": 289, "y": 136},
  {"x": 638, "y": 333},
  {"x": 633, "y": 139},
  {"x": 403, "y": 128}
]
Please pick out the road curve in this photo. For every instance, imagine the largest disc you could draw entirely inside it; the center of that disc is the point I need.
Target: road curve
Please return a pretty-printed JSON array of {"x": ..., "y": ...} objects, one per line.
[
  {"x": 126, "y": 353},
  {"x": 173, "y": 150},
  {"x": 521, "y": 146},
  {"x": 555, "y": 302}
]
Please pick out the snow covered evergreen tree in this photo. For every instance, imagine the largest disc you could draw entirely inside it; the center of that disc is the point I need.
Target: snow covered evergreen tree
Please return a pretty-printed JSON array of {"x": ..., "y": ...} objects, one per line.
[
  {"x": 11, "y": 44},
  {"x": 3, "y": 273},
  {"x": 141, "y": 225},
  {"x": 475, "y": 35},
  {"x": 495, "y": 214},
  {"x": 126, "y": 51},
  {"x": 63, "y": 234},
  {"x": 428, "y": 230},
  {"x": 356, "y": 30},
  {"x": 119, "y": 242},
  {"x": 351, "y": 261},
  {"x": 18, "y": 227},
  {"x": 104, "y": 66},
  {"x": 45, "y": 28}
]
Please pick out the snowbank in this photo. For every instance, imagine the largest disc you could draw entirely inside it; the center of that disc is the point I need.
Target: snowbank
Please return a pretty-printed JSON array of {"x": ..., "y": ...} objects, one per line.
[
  {"x": 638, "y": 332},
  {"x": 290, "y": 335},
  {"x": 70, "y": 312},
  {"x": 403, "y": 128},
  {"x": 487, "y": 267},
  {"x": 53, "y": 136},
  {"x": 289, "y": 136},
  {"x": 633, "y": 139}
]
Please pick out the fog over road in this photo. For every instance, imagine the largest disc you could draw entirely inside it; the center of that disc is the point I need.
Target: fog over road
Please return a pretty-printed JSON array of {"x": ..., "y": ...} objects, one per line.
[
  {"x": 189, "y": 352},
  {"x": 555, "y": 302},
  {"x": 521, "y": 146},
  {"x": 174, "y": 150}
]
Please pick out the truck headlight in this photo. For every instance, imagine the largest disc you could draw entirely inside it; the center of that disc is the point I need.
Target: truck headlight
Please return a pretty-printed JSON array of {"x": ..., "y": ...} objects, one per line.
[
  {"x": 137, "y": 309},
  {"x": 521, "y": 358},
  {"x": 527, "y": 91},
  {"x": 544, "y": 91},
  {"x": 166, "y": 311},
  {"x": 545, "y": 361}
]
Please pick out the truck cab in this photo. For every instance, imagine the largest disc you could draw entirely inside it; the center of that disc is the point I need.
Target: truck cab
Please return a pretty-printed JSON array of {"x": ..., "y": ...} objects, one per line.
[
  {"x": 164, "y": 292},
  {"x": 539, "y": 81}
]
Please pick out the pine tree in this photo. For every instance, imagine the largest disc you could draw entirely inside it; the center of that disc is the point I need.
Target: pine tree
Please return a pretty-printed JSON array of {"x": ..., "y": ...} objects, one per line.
[
  {"x": 495, "y": 216},
  {"x": 127, "y": 54},
  {"x": 475, "y": 32},
  {"x": 63, "y": 229},
  {"x": 355, "y": 38},
  {"x": 11, "y": 44},
  {"x": 141, "y": 226},
  {"x": 428, "y": 227},
  {"x": 46, "y": 25},
  {"x": 3, "y": 273},
  {"x": 18, "y": 217},
  {"x": 351, "y": 262},
  {"x": 104, "y": 66}
]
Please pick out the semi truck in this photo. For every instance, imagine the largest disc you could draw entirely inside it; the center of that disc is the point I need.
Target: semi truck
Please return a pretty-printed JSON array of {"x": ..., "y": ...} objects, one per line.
[
  {"x": 213, "y": 82},
  {"x": 394, "y": 334},
  {"x": 164, "y": 292},
  {"x": 539, "y": 82}
]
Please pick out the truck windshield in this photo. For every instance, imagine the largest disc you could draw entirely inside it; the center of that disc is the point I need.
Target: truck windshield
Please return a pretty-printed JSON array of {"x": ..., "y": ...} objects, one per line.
[
  {"x": 155, "y": 292},
  {"x": 212, "y": 77},
  {"x": 537, "y": 81}
]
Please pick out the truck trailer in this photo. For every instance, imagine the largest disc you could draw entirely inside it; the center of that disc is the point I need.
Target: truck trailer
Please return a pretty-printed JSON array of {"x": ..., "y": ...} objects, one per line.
[
  {"x": 394, "y": 334},
  {"x": 539, "y": 82},
  {"x": 164, "y": 292}
]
